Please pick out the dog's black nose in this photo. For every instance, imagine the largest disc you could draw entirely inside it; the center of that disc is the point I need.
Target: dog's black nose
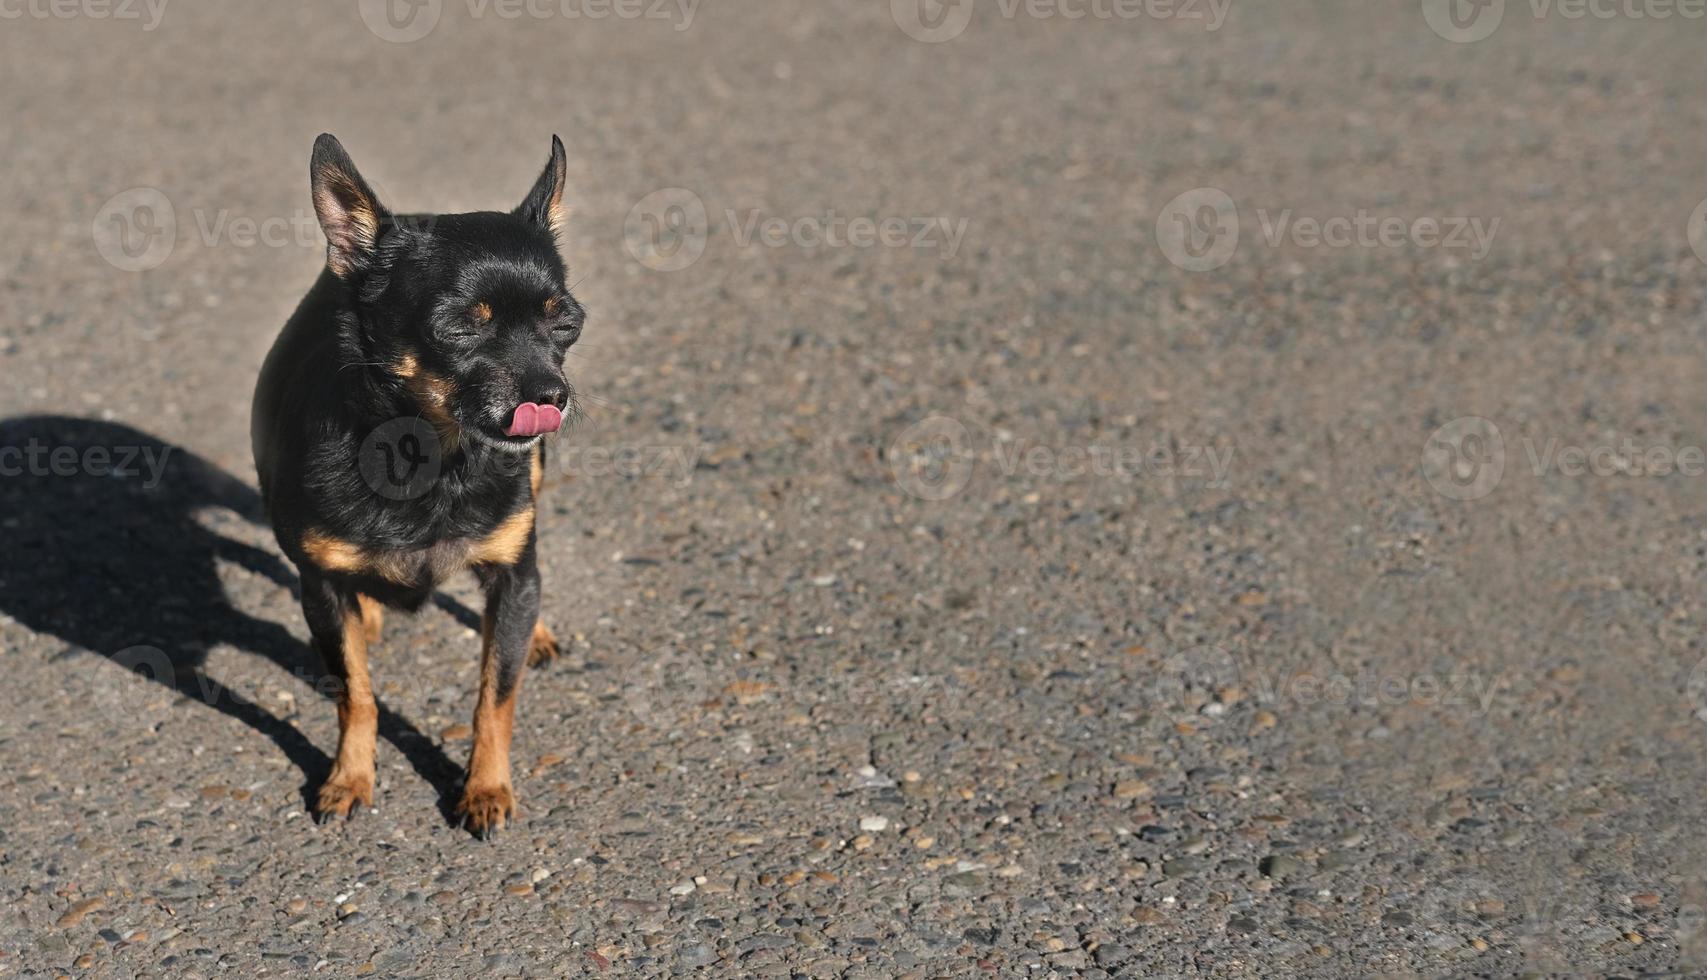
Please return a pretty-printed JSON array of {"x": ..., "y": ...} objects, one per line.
[{"x": 553, "y": 393}]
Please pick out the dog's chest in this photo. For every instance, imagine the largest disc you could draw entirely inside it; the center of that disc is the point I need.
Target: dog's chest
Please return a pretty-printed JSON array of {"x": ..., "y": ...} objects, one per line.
[
  {"x": 426, "y": 568},
  {"x": 417, "y": 569}
]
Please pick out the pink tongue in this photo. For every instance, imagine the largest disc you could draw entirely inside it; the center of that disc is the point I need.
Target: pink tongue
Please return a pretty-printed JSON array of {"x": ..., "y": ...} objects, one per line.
[
  {"x": 550, "y": 419},
  {"x": 534, "y": 420}
]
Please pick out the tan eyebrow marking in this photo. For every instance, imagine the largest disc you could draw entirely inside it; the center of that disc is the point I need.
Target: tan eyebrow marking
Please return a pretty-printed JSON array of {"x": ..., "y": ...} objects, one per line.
[{"x": 482, "y": 312}]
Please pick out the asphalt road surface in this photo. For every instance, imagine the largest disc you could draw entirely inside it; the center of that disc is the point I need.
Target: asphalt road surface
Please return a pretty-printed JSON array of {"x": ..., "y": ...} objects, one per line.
[{"x": 1081, "y": 488}]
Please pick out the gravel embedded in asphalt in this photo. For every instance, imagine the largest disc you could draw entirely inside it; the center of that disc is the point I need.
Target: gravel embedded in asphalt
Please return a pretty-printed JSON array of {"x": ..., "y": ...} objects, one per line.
[{"x": 999, "y": 596}]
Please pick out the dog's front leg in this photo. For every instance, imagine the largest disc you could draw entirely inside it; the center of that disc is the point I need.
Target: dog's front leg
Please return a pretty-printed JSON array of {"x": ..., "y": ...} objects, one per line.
[
  {"x": 512, "y": 610},
  {"x": 340, "y": 637}
]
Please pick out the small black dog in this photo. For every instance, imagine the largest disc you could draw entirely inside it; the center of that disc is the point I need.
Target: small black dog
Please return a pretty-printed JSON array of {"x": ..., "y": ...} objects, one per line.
[{"x": 397, "y": 429}]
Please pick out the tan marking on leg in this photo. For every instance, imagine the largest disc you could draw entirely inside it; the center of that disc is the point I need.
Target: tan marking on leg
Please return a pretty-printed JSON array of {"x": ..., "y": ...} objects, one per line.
[
  {"x": 373, "y": 617},
  {"x": 505, "y": 545},
  {"x": 542, "y": 646},
  {"x": 487, "y": 797},
  {"x": 351, "y": 782}
]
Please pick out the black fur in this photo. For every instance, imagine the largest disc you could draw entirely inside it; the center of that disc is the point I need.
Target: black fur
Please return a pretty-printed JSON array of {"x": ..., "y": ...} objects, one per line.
[{"x": 452, "y": 320}]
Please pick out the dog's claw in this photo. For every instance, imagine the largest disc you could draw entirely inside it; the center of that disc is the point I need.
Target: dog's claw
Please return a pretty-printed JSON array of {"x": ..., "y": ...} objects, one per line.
[
  {"x": 542, "y": 646},
  {"x": 343, "y": 795},
  {"x": 484, "y": 811}
]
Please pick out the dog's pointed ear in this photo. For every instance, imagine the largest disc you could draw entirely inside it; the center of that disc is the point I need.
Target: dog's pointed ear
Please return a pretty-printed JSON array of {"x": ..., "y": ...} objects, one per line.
[
  {"x": 349, "y": 213},
  {"x": 544, "y": 204}
]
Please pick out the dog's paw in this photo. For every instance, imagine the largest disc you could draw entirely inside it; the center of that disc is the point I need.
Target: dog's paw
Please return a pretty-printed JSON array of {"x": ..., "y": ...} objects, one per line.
[
  {"x": 484, "y": 809},
  {"x": 342, "y": 793},
  {"x": 542, "y": 646}
]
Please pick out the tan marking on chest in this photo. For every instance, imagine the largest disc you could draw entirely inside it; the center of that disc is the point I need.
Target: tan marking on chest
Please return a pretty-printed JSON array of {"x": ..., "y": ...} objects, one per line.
[
  {"x": 431, "y": 565},
  {"x": 337, "y": 555}
]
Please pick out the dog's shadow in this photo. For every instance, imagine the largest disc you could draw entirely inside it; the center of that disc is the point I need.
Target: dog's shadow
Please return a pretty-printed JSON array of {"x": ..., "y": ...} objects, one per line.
[{"x": 105, "y": 544}]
